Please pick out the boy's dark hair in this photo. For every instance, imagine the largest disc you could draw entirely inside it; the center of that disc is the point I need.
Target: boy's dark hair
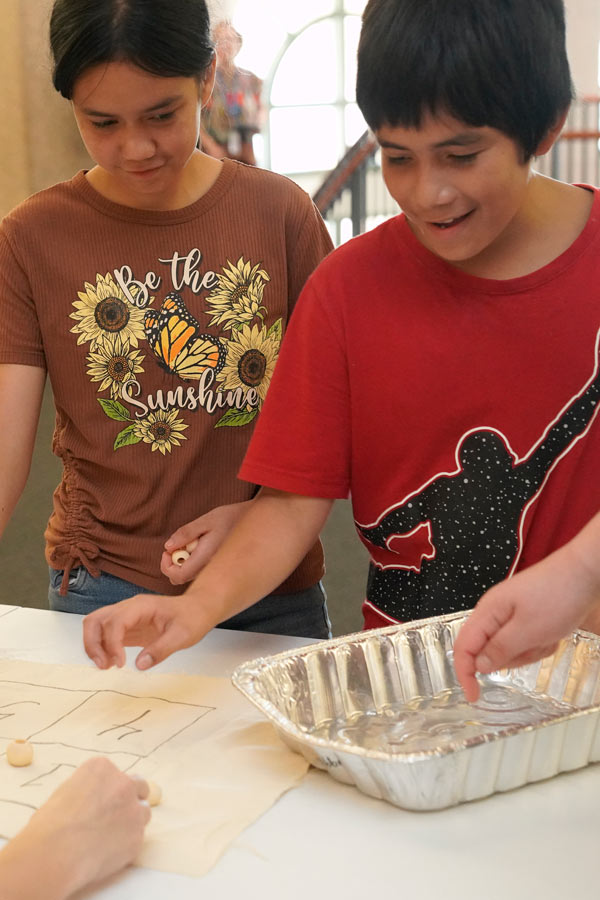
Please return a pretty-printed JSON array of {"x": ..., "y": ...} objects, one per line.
[
  {"x": 495, "y": 63},
  {"x": 168, "y": 38}
]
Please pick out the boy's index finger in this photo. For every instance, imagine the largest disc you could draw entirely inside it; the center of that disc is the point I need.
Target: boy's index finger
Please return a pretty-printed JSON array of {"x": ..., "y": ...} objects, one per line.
[
  {"x": 114, "y": 632},
  {"x": 464, "y": 665},
  {"x": 92, "y": 641},
  {"x": 472, "y": 639}
]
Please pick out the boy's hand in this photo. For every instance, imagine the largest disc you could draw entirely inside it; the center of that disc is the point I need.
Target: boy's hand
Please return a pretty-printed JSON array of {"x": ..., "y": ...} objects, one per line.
[
  {"x": 160, "y": 625},
  {"x": 207, "y": 533},
  {"x": 522, "y": 619}
]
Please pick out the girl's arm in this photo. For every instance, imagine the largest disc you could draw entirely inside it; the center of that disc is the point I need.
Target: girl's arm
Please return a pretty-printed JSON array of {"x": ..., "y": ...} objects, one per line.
[{"x": 21, "y": 391}]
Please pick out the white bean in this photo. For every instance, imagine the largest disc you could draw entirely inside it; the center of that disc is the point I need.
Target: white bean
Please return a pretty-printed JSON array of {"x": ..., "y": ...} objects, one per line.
[
  {"x": 155, "y": 795},
  {"x": 179, "y": 557},
  {"x": 19, "y": 753}
]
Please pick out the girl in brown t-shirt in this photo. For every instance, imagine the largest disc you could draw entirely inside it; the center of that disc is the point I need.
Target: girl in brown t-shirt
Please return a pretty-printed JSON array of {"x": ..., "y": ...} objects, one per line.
[{"x": 154, "y": 289}]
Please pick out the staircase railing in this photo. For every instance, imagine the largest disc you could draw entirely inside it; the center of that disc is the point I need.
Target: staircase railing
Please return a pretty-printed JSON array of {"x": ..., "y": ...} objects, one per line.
[{"x": 352, "y": 199}]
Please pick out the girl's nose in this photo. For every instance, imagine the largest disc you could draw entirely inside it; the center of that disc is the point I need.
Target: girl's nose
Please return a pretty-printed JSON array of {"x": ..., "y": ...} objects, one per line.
[{"x": 137, "y": 146}]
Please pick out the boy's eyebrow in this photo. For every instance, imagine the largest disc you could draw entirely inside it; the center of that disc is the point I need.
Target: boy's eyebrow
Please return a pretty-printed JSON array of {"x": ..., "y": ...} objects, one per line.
[
  {"x": 465, "y": 139},
  {"x": 168, "y": 101}
]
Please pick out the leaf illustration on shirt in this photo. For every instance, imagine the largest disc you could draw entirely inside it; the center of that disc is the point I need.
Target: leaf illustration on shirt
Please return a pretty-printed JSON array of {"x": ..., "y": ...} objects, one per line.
[{"x": 162, "y": 429}]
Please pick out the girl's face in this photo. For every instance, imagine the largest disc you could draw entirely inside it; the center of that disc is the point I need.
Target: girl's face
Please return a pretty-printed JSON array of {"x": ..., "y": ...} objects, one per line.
[{"x": 142, "y": 131}]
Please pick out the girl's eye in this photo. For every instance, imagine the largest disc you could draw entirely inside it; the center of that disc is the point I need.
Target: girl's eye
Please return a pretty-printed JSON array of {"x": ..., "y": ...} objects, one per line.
[{"x": 163, "y": 117}]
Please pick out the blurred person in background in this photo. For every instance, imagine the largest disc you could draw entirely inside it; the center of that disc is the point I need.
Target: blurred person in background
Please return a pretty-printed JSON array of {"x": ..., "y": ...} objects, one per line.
[{"x": 235, "y": 112}]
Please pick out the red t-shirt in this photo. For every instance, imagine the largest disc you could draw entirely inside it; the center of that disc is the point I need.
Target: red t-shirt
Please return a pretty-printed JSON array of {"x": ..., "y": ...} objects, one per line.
[{"x": 459, "y": 413}]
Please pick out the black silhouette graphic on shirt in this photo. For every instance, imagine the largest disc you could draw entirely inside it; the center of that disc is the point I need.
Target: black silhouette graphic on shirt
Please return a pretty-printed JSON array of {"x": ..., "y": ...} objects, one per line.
[{"x": 470, "y": 520}]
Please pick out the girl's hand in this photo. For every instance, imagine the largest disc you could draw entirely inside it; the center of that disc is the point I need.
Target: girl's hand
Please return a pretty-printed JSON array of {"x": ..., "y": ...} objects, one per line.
[{"x": 201, "y": 538}]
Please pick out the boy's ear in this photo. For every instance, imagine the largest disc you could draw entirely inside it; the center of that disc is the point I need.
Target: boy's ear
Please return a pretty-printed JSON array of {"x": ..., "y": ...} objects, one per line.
[{"x": 552, "y": 135}]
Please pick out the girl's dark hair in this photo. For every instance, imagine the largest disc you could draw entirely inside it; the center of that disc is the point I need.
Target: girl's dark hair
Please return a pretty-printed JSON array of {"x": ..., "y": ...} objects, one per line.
[
  {"x": 164, "y": 37},
  {"x": 495, "y": 63}
]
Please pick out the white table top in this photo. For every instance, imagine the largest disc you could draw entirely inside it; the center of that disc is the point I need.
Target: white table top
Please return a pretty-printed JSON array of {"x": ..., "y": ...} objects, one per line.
[{"x": 327, "y": 840}]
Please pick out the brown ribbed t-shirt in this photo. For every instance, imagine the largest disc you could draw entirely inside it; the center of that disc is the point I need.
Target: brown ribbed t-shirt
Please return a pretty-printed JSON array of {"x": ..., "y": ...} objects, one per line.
[{"x": 159, "y": 332}]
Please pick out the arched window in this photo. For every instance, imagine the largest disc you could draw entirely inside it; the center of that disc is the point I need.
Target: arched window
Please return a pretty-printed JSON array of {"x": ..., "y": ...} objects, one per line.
[{"x": 309, "y": 87}]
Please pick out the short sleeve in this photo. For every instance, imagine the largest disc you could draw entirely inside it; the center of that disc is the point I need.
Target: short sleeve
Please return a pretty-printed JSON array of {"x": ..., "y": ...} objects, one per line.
[
  {"x": 302, "y": 441},
  {"x": 306, "y": 247},
  {"x": 20, "y": 336}
]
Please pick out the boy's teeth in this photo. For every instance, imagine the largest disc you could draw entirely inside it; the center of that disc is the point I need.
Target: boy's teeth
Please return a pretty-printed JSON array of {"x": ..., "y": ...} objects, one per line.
[{"x": 448, "y": 222}]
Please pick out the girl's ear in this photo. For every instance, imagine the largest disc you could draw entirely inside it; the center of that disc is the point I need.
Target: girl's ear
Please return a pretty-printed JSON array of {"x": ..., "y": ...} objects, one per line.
[
  {"x": 208, "y": 81},
  {"x": 552, "y": 135}
]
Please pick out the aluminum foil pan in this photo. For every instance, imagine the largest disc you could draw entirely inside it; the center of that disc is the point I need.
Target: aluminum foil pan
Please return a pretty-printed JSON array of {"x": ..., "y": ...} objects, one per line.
[{"x": 382, "y": 710}]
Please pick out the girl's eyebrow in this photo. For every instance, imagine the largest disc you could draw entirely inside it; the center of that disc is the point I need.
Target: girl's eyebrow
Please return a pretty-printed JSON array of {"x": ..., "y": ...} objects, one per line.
[{"x": 168, "y": 101}]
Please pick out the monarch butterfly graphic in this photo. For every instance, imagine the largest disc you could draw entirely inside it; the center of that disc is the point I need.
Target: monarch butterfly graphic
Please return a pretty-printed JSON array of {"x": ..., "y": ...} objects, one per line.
[{"x": 173, "y": 334}]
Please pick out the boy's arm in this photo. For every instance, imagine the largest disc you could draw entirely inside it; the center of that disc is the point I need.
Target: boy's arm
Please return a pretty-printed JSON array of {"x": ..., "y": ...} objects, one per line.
[
  {"x": 267, "y": 544},
  {"x": 21, "y": 391},
  {"x": 522, "y": 619}
]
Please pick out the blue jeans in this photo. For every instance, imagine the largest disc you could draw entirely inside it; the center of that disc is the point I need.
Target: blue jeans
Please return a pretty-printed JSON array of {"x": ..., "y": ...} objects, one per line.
[{"x": 302, "y": 614}]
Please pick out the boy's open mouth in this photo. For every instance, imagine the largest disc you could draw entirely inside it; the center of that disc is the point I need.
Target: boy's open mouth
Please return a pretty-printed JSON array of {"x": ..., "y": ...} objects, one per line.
[{"x": 450, "y": 223}]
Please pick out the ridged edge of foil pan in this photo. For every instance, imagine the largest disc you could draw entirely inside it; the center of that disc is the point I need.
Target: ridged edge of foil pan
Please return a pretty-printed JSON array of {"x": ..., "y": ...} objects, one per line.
[{"x": 369, "y": 670}]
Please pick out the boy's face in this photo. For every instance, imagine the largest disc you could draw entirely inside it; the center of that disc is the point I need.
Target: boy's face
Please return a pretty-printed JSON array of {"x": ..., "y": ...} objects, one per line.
[{"x": 464, "y": 190}]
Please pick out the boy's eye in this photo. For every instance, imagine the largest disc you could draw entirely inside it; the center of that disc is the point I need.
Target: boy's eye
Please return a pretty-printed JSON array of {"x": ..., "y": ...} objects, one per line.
[
  {"x": 104, "y": 123},
  {"x": 398, "y": 160},
  {"x": 462, "y": 158}
]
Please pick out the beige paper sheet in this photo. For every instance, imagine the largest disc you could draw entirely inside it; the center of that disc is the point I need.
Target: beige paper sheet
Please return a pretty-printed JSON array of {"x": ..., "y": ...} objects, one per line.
[{"x": 219, "y": 763}]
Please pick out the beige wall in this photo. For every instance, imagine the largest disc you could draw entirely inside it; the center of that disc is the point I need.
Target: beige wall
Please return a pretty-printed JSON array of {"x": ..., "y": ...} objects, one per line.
[
  {"x": 41, "y": 144},
  {"x": 14, "y": 171}
]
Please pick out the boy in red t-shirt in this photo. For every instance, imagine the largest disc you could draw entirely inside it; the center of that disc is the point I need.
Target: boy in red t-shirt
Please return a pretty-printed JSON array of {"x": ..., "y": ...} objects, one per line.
[{"x": 443, "y": 368}]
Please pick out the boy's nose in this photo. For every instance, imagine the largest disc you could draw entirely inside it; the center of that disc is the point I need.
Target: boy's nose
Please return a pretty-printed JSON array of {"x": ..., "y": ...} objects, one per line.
[{"x": 432, "y": 190}]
